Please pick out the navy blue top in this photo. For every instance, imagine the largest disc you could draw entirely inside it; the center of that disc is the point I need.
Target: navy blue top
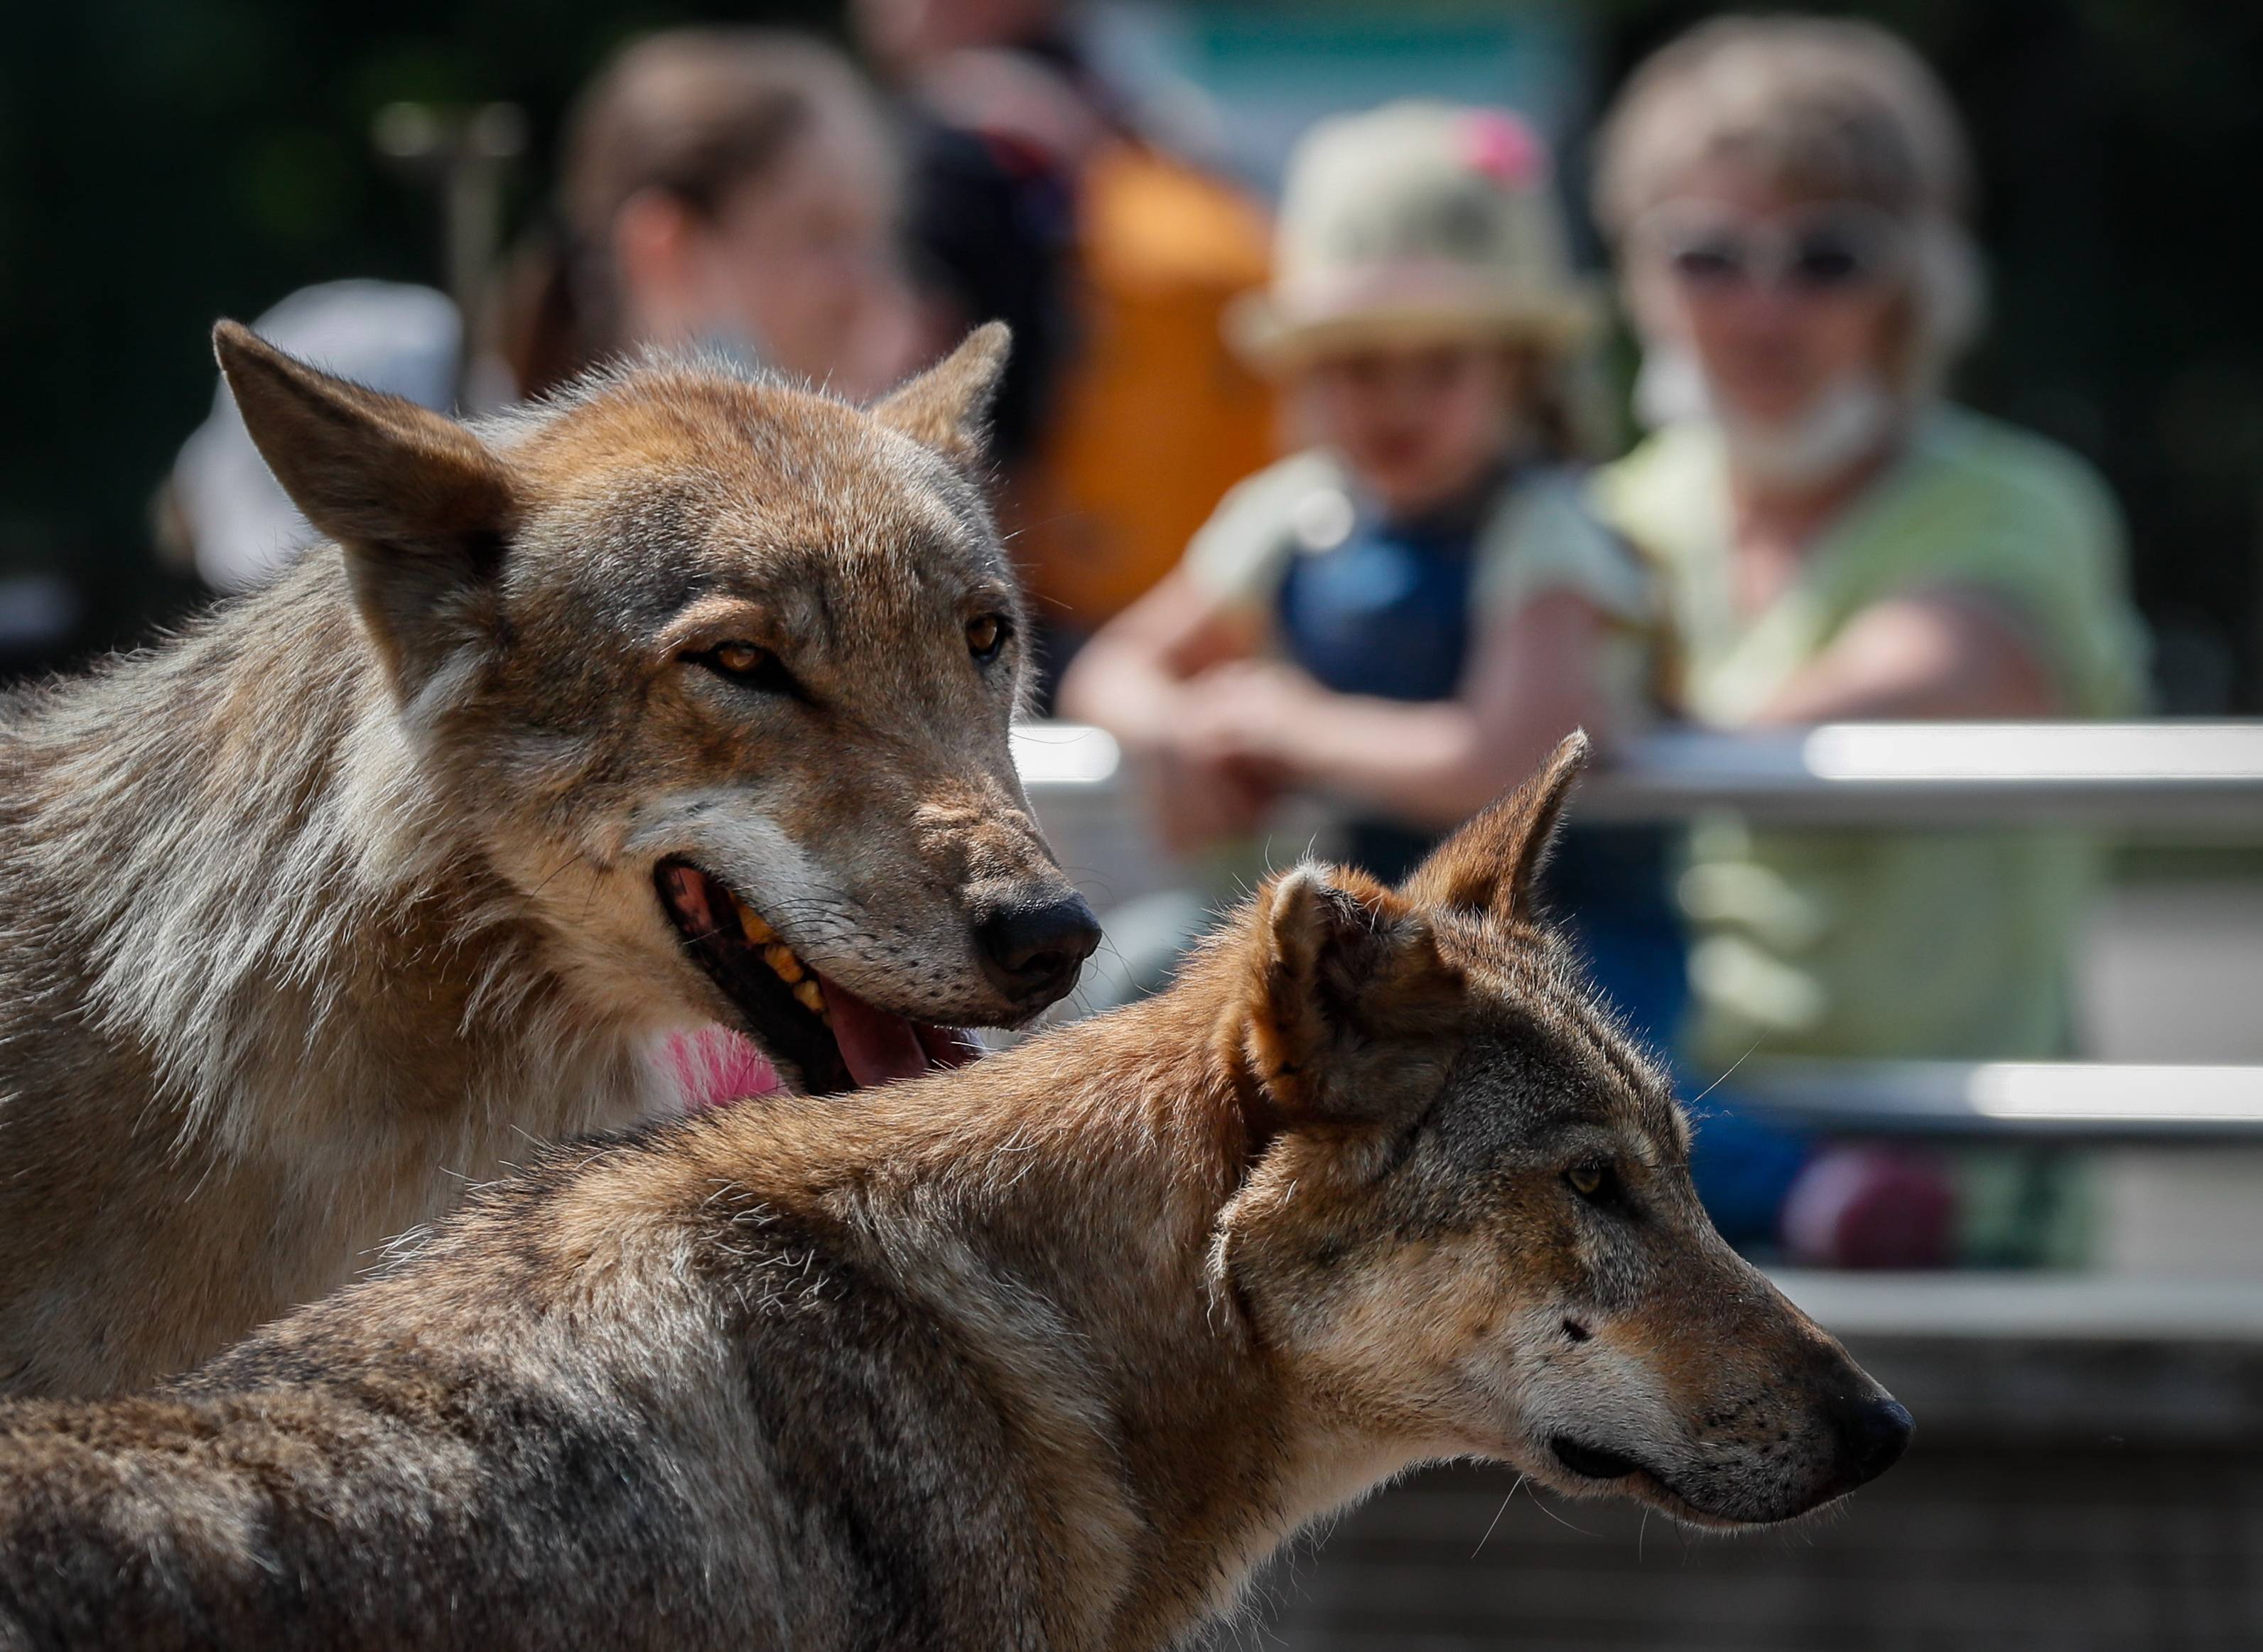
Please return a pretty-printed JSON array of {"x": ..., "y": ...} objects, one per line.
[
  {"x": 1390, "y": 611},
  {"x": 1387, "y": 613}
]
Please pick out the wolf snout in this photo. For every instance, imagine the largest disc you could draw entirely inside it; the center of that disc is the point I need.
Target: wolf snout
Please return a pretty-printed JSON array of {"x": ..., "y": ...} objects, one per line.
[
  {"x": 1874, "y": 1431},
  {"x": 1033, "y": 950}
]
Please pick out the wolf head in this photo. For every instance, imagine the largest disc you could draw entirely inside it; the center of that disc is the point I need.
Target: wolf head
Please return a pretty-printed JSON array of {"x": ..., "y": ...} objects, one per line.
[
  {"x": 1467, "y": 1226},
  {"x": 720, "y": 672}
]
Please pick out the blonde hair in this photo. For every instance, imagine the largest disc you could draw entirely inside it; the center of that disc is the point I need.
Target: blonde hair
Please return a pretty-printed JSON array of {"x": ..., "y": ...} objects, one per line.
[{"x": 1818, "y": 107}]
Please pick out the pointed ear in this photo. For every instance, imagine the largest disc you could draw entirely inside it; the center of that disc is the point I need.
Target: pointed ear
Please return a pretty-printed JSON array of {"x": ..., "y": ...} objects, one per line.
[
  {"x": 420, "y": 507},
  {"x": 1342, "y": 975},
  {"x": 1491, "y": 863},
  {"x": 948, "y": 407}
]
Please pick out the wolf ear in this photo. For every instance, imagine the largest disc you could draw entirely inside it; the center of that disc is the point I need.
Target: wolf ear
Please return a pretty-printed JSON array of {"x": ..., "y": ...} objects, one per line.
[
  {"x": 948, "y": 407},
  {"x": 420, "y": 507},
  {"x": 1491, "y": 863},
  {"x": 1342, "y": 973}
]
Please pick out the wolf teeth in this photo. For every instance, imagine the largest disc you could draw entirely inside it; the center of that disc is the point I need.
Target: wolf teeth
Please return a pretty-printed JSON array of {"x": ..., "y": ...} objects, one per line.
[{"x": 785, "y": 965}]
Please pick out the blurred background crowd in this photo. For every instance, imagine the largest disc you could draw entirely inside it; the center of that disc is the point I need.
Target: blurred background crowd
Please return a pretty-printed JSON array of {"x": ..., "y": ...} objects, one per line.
[
  {"x": 1396, "y": 387},
  {"x": 165, "y": 161}
]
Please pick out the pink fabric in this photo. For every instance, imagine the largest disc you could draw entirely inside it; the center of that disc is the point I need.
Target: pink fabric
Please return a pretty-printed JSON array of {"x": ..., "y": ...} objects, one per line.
[
  {"x": 717, "y": 1066},
  {"x": 1503, "y": 149},
  {"x": 1862, "y": 1207}
]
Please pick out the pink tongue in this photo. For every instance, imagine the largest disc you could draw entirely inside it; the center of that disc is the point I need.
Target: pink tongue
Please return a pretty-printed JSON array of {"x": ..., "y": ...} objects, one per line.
[
  {"x": 877, "y": 1045},
  {"x": 947, "y": 1046}
]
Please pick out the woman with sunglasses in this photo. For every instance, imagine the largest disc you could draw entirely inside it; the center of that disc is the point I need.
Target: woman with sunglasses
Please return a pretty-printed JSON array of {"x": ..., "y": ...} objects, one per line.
[{"x": 1785, "y": 197}]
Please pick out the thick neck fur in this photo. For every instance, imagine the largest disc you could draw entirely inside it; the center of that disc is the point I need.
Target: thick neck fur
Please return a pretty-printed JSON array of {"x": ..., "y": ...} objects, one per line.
[
  {"x": 1068, "y": 1196},
  {"x": 257, "y": 984},
  {"x": 256, "y": 863}
]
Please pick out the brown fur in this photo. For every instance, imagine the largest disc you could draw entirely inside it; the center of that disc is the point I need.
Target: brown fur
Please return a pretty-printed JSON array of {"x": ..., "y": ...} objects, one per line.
[
  {"x": 1048, "y": 1353},
  {"x": 347, "y": 896}
]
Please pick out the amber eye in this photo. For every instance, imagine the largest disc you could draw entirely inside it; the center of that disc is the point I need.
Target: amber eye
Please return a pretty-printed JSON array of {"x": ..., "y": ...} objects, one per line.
[
  {"x": 1593, "y": 1183},
  {"x": 985, "y": 635},
  {"x": 740, "y": 659},
  {"x": 751, "y": 665}
]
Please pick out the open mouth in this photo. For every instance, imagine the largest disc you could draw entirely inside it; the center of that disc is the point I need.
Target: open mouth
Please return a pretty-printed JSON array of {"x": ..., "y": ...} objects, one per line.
[
  {"x": 834, "y": 1040},
  {"x": 1592, "y": 1462}
]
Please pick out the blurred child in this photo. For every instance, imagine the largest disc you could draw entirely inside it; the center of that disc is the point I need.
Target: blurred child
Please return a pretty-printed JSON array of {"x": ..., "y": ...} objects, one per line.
[{"x": 1405, "y": 617}]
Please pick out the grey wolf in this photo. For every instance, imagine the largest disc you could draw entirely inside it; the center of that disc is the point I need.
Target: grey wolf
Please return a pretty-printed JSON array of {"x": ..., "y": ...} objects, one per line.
[
  {"x": 683, "y": 699},
  {"x": 1046, "y": 1351}
]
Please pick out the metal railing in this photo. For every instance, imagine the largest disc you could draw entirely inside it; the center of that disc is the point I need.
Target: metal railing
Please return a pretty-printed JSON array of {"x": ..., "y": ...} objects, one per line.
[
  {"x": 2128, "y": 777},
  {"x": 2178, "y": 778},
  {"x": 2069, "y": 1101}
]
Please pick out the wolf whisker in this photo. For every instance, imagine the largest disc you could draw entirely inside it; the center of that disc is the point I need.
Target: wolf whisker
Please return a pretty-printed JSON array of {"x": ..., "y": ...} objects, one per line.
[
  {"x": 1539, "y": 1505},
  {"x": 1725, "y": 1077},
  {"x": 1495, "y": 1521}
]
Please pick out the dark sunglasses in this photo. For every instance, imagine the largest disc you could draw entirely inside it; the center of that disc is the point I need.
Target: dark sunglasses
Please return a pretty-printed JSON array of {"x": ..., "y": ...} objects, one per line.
[{"x": 1827, "y": 249}]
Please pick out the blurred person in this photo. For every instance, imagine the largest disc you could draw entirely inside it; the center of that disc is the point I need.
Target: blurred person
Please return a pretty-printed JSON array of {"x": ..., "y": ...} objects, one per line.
[
  {"x": 1156, "y": 415},
  {"x": 728, "y": 189},
  {"x": 733, "y": 189},
  {"x": 1079, "y": 208},
  {"x": 1405, "y": 617},
  {"x": 1787, "y": 198},
  {"x": 1003, "y": 113}
]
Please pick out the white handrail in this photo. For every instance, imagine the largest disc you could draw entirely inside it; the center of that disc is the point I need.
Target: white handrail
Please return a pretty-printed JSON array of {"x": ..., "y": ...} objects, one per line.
[
  {"x": 2061, "y": 1100},
  {"x": 2131, "y": 775},
  {"x": 2135, "y": 776}
]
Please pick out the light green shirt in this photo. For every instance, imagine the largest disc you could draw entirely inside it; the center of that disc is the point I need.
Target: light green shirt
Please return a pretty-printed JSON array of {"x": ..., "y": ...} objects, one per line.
[{"x": 1948, "y": 944}]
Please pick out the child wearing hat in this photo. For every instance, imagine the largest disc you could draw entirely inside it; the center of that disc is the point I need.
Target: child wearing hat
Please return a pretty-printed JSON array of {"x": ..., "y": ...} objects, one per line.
[{"x": 1404, "y": 617}]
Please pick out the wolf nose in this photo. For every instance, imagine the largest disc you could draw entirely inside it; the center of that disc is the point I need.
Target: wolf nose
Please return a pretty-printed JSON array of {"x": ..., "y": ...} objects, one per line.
[
  {"x": 1874, "y": 1431},
  {"x": 1034, "y": 952}
]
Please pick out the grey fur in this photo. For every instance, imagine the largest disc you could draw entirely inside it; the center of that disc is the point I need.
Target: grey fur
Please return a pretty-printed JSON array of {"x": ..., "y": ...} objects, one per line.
[
  {"x": 345, "y": 898},
  {"x": 1048, "y": 1352}
]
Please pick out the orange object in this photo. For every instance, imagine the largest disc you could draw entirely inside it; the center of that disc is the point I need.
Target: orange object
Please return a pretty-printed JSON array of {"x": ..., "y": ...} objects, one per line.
[{"x": 1157, "y": 419}]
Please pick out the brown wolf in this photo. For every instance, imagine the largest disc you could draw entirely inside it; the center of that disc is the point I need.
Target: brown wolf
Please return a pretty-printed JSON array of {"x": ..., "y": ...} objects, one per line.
[
  {"x": 1048, "y": 1352},
  {"x": 682, "y": 699}
]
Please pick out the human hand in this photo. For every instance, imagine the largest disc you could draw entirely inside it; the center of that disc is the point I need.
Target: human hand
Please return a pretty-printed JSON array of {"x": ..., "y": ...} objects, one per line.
[{"x": 1251, "y": 715}]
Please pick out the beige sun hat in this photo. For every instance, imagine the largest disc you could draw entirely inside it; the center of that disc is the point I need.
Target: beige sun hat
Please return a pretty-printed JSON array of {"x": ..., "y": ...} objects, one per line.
[{"x": 1409, "y": 223}]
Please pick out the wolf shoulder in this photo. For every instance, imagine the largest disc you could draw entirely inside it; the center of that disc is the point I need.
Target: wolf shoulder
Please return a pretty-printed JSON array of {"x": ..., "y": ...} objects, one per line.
[{"x": 708, "y": 1425}]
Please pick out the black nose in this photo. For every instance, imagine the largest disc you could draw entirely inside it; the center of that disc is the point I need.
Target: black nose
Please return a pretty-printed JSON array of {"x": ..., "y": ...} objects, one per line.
[
  {"x": 1874, "y": 1431},
  {"x": 1034, "y": 952}
]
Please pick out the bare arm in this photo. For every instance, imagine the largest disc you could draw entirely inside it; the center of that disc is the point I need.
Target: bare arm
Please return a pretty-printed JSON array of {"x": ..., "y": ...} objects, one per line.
[
  {"x": 1432, "y": 763},
  {"x": 1945, "y": 654},
  {"x": 1134, "y": 679},
  {"x": 1130, "y": 677}
]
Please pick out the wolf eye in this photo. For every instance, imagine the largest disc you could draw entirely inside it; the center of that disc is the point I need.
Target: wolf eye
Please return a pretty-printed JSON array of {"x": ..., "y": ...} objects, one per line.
[
  {"x": 751, "y": 664},
  {"x": 986, "y": 634},
  {"x": 1597, "y": 1184}
]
